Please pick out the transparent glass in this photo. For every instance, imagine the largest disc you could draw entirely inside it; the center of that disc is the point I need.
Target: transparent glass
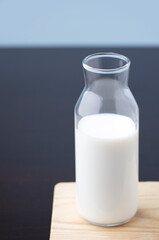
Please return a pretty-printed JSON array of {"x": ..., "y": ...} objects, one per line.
[{"x": 106, "y": 142}]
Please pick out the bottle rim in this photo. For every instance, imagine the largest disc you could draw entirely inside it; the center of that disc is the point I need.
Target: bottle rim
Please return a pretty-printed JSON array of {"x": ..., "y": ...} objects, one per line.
[{"x": 99, "y": 55}]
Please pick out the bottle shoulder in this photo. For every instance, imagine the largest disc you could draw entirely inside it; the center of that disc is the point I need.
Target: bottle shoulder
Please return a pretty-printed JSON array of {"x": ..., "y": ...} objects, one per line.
[{"x": 120, "y": 101}]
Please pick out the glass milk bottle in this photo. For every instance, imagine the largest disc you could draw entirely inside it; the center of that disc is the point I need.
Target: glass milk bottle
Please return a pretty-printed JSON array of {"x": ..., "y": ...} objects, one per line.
[{"x": 106, "y": 142}]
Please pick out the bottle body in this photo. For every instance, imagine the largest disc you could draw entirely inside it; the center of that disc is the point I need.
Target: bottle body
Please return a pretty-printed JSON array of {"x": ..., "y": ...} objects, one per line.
[{"x": 106, "y": 148}]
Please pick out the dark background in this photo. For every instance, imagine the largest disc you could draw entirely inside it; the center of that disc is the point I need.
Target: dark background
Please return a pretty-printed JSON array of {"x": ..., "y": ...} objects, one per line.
[{"x": 38, "y": 91}]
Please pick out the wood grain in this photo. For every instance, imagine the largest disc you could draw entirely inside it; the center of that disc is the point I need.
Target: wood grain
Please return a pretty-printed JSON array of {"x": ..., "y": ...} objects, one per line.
[{"x": 67, "y": 223}]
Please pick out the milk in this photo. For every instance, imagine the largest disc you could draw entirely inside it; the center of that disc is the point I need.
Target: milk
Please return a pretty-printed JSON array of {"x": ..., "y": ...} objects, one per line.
[{"x": 106, "y": 168}]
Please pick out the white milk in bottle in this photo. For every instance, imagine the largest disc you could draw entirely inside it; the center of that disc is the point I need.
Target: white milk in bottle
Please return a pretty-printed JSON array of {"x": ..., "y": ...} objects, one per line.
[{"x": 106, "y": 168}]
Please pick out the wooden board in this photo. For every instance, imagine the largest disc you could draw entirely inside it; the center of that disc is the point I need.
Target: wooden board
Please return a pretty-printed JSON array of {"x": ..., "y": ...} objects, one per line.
[{"x": 67, "y": 223}]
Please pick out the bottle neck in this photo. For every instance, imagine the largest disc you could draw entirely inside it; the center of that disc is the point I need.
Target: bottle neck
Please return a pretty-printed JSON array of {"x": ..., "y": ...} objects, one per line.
[
  {"x": 116, "y": 79},
  {"x": 108, "y": 66}
]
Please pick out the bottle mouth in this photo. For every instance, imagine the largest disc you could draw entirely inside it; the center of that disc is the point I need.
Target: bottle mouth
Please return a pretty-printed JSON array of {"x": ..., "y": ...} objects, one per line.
[{"x": 106, "y": 62}]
